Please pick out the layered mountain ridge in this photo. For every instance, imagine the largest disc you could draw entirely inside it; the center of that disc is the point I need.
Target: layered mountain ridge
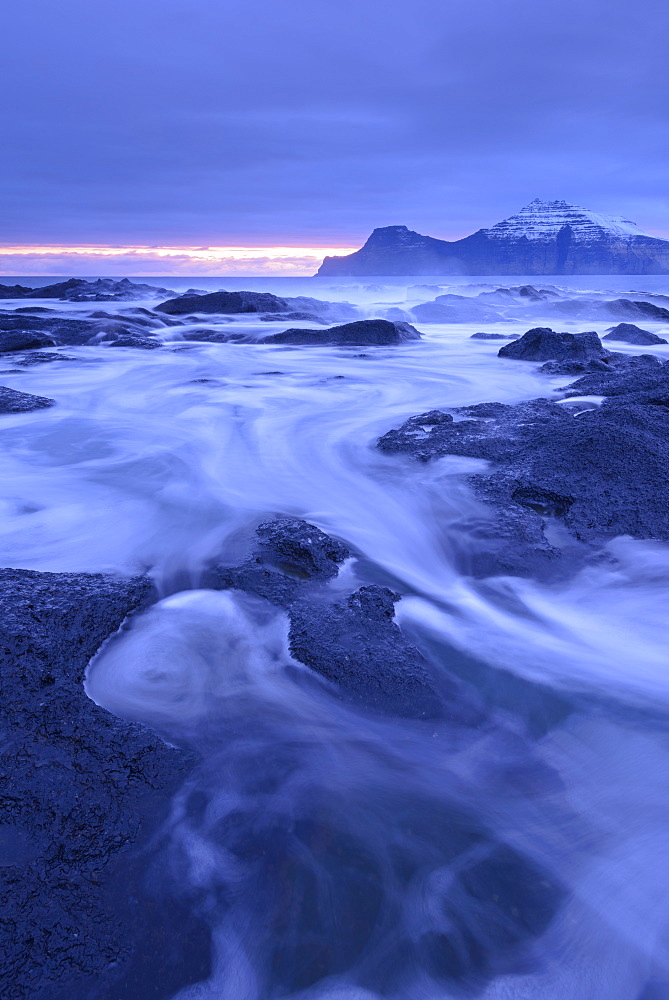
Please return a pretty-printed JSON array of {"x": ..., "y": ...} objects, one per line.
[{"x": 544, "y": 237}]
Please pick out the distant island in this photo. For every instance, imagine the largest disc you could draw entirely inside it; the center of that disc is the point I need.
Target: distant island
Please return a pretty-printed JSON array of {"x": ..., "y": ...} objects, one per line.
[{"x": 545, "y": 237}]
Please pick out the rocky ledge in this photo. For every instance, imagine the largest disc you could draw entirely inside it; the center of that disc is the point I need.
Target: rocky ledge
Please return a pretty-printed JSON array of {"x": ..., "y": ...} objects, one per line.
[
  {"x": 81, "y": 790},
  {"x": 564, "y": 477}
]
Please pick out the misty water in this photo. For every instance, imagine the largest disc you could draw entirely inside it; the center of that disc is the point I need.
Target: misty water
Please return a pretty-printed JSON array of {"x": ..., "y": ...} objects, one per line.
[{"x": 336, "y": 853}]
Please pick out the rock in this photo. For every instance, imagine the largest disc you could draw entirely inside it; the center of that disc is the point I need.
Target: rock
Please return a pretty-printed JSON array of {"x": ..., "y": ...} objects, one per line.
[
  {"x": 364, "y": 333},
  {"x": 636, "y": 309},
  {"x": 544, "y": 344},
  {"x": 356, "y": 644},
  {"x": 622, "y": 378},
  {"x": 288, "y": 553},
  {"x": 628, "y": 333},
  {"x": 495, "y": 336},
  {"x": 224, "y": 302},
  {"x": 132, "y": 340},
  {"x": 79, "y": 789},
  {"x": 74, "y": 332},
  {"x": 23, "y": 340},
  {"x": 12, "y": 401},
  {"x": 100, "y": 290},
  {"x": 40, "y": 358},
  {"x": 353, "y": 642},
  {"x": 14, "y": 291},
  {"x": 602, "y": 471}
]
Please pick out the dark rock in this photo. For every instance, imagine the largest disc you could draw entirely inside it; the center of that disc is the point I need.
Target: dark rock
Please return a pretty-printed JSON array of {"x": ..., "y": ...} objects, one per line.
[
  {"x": 299, "y": 549},
  {"x": 224, "y": 302},
  {"x": 601, "y": 471},
  {"x": 495, "y": 336},
  {"x": 100, "y": 290},
  {"x": 132, "y": 340},
  {"x": 23, "y": 340},
  {"x": 289, "y": 552},
  {"x": 74, "y": 332},
  {"x": 637, "y": 309},
  {"x": 544, "y": 344},
  {"x": 79, "y": 788},
  {"x": 628, "y": 333},
  {"x": 364, "y": 333},
  {"x": 13, "y": 291},
  {"x": 12, "y": 401},
  {"x": 625, "y": 376},
  {"x": 356, "y": 644},
  {"x": 40, "y": 358}
]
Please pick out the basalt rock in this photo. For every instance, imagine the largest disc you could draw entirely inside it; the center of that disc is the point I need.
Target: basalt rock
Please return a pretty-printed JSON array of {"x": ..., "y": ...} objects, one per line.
[
  {"x": 364, "y": 333},
  {"x": 356, "y": 644},
  {"x": 79, "y": 789},
  {"x": 495, "y": 336},
  {"x": 628, "y": 333},
  {"x": 597, "y": 471},
  {"x": 224, "y": 302},
  {"x": 12, "y": 401},
  {"x": 544, "y": 344},
  {"x": 24, "y": 340},
  {"x": 352, "y": 642}
]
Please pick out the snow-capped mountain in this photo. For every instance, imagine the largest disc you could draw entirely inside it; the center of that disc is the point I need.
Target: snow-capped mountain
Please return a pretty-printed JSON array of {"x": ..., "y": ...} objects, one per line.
[
  {"x": 543, "y": 220},
  {"x": 545, "y": 237}
]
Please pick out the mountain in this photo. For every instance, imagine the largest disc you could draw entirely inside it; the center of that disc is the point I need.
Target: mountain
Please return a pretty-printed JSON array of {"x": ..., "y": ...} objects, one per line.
[{"x": 545, "y": 237}]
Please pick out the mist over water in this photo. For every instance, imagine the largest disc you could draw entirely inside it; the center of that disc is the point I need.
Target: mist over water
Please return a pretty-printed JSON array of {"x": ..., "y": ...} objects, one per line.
[{"x": 336, "y": 853}]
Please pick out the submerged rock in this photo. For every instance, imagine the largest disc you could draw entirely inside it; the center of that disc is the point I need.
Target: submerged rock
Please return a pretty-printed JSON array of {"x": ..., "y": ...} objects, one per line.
[
  {"x": 12, "y": 401},
  {"x": 628, "y": 333},
  {"x": 364, "y": 333},
  {"x": 544, "y": 344},
  {"x": 80, "y": 787},
  {"x": 495, "y": 336}
]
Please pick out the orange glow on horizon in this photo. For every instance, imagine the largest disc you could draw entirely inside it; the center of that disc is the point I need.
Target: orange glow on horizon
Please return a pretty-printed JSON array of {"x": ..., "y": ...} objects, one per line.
[{"x": 195, "y": 253}]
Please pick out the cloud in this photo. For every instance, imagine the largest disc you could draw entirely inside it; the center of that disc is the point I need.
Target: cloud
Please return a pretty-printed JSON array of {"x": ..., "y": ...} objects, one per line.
[{"x": 189, "y": 121}]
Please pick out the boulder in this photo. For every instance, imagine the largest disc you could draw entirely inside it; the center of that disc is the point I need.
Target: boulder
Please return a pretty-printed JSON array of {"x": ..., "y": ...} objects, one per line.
[
  {"x": 12, "y": 401},
  {"x": 544, "y": 344},
  {"x": 224, "y": 302},
  {"x": 364, "y": 333},
  {"x": 24, "y": 340},
  {"x": 628, "y": 333}
]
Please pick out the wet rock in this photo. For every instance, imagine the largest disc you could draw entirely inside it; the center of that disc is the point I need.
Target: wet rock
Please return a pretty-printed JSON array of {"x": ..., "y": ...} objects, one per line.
[
  {"x": 224, "y": 302},
  {"x": 356, "y": 644},
  {"x": 495, "y": 336},
  {"x": 12, "y": 401},
  {"x": 642, "y": 373},
  {"x": 132, "y": 340},
  {"x": 289, "y": 552},
  {"x": 40, "y": 358},
  {"x": 599, "y": 472},
  {"x": 628, "y": 333},
  {"x": 100, "y": 290},
  {"x": 74, "y": 332},
  {"x": 364, "y": 333},
  {"x": 13, "y": 291},
  {"x": 637, "y": 309},
  {"x": 544, "y": 344},
  {"x": 79, "y": 788},
  {"x": 23, "y": 340}
]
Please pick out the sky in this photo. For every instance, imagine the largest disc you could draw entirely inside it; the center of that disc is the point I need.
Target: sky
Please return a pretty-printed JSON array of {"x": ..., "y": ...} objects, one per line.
[{"x": 162, "y": 128}]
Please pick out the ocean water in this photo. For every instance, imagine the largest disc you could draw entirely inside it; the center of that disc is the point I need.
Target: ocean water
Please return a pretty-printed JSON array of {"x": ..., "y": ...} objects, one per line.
[{"x": 335, "y": 853}]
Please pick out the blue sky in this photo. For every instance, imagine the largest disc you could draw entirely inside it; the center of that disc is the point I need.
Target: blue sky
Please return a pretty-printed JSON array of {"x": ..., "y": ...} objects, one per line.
[{"x": 293, "y": 123}]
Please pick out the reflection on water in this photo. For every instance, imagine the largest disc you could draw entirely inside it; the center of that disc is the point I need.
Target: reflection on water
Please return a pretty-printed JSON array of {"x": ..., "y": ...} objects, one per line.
[{"x": 334, "y": 853}]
